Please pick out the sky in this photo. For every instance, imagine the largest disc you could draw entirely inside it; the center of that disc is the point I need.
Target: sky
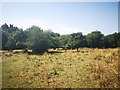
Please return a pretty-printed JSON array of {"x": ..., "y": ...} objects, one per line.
[{"x": 62, "y": 17}]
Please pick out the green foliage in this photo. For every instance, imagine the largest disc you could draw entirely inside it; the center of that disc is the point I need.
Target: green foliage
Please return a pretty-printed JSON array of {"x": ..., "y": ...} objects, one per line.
[
  {"x": 37, "y": 40},
  {"x": 118, "y": 40},
  {"x": 111, "y": 40},
  {"x": 40, "y": 40},
  {"x": 54, "y": 39},
  {"x": 4, "y": 37},
  {"x": 12, "y": 37},
  {"x": 94, "y": 39},
  {"x": 76, "y": 40},
  {"x": 63, "y": 39}
]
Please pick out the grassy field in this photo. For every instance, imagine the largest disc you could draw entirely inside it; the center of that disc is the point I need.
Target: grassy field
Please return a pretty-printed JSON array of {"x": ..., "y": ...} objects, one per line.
[{"x": 88, "y": 68}]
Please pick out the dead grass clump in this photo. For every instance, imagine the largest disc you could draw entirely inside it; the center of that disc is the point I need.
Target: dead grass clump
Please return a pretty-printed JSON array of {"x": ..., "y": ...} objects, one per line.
[
  {"x": 52, "y": 73},
  {"x": 8, "y": 54},
  {"x": 101, "y": 70},
  {"x": 82, "y": 51},
  {"x": 98, "y": 57},
  {"x": 107, "y": 76},
  {"x": 111, "y": 57}
]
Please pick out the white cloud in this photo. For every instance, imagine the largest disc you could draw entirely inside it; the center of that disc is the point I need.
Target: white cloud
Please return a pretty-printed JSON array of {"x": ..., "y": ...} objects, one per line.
[{"x": 26, "y": 23}]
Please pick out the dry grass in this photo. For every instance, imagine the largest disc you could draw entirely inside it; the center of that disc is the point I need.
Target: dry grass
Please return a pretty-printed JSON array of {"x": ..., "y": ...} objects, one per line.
[{"x": 88, "y": 68}]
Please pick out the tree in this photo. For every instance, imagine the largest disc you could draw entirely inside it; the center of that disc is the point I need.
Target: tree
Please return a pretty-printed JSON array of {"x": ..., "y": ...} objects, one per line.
[
  {"x": 20, "y": 38},
  {"x": 118, "y": 40},
  {"x": 63, "y": 40},
  {"x": 12, "y": 37},
  {"x": 111, "y": 40},
  {"x": 5, "y": 27},
  {"x": 4, "y": 34},
  {"x": 4, "y": 38},
  {"x": 76, "y": 40},
  {"x": 37, "y": 40},
  {"x": 94, "y": 39},
  {"x": 54, "y": 39}
]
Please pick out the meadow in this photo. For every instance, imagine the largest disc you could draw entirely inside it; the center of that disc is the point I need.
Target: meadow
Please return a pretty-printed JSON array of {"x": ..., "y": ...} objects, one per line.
[{"x": 88, "y": 68}]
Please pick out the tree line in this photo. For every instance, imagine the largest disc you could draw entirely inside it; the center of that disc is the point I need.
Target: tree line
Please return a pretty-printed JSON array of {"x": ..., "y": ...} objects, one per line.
[{"x": 39, "y": 40}]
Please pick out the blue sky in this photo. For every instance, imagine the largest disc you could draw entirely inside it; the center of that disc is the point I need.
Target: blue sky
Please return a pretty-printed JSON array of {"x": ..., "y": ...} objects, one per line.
[{"x": 63, "y": 17}]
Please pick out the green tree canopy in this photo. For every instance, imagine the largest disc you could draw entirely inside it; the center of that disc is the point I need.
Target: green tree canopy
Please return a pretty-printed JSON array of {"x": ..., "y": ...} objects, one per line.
[
  {"x": 37, "y": 40},
  {"x": 76, "y": 40},
  {"x": 40, "y": 40},
  {"x": 94, "y": 39}
]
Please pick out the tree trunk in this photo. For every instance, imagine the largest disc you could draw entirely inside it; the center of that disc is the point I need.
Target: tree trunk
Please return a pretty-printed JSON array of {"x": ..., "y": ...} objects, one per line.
[{"x": 77, "y": 49}]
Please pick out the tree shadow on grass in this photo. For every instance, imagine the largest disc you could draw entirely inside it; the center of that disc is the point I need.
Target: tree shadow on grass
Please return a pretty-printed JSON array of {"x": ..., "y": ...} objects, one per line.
[
  {"x": 48, "y": 52},
  {"x": 54, "y": 52}
]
